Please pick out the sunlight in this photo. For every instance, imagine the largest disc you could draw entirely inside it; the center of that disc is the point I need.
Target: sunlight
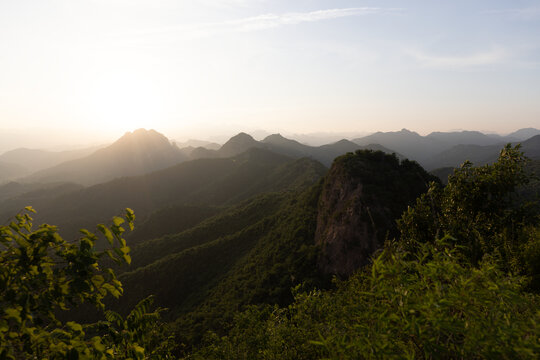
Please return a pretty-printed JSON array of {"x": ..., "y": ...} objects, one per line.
[{"x": 124, "y": 101}]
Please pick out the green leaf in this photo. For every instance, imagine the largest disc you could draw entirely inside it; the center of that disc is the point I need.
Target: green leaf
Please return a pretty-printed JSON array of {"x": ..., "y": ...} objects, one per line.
[
  {"x": 97, "y": 280},
  {"x": 12, "y": 313},
  {"x": 117, "y": 221},
  {"x": 130, "y": 216},
  {"x": 74, "y": 326},
  {"x": 107, "y": 233},
  {"x": 98, "y": 345}
]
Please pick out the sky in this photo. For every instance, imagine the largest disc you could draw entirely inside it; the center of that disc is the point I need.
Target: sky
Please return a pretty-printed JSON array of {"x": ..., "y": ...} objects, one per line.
[{"x": 88, "y": 71}]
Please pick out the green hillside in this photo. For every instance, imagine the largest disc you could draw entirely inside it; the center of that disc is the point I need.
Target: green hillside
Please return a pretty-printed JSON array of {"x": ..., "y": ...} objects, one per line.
[
  {"x": 226, "y": 223},
  {"x": 255, "y": 252},
  {"x": 203, "y": 182},
  {"x": 170, "y": 220}
]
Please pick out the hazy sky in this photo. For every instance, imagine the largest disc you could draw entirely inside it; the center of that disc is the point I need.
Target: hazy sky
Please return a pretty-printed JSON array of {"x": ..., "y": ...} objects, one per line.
[{"x": 108, "y": 66}]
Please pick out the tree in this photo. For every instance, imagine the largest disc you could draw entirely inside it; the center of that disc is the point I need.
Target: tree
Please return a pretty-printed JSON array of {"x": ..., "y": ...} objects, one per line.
[
  {"x": 480, "y": 208},
  {"x": 430, "y": 304},
  {"x": 42, "y": 274}
]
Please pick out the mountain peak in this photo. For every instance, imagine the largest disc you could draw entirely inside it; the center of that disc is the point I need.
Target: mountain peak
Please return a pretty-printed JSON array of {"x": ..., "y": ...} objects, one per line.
[
  {"x": 408, "y": 132},
  {"x": 344, "y": 142},
  {"x": 524, "y": 134},
  {"x": 278, "y": 139},
  {"x": 135, "y": 153},
  {"x": 242, "y": 137},
  {"x": 142, "y": 133},
  {"x": 274, "y": 137},
  {"x": 347, "y": 236},
  {"x": 142, "y": 138},
  {"x": 238, "y": 144}
]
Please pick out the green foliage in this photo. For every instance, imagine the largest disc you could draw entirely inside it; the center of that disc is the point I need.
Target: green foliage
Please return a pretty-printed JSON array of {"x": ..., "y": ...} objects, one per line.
[
  {"x": 138, "y": 335},
  {"x": 384, "y": 178},
  {"x": 531, "y": 191},
  {"x": 170, "y": 220},
  {"x": 430, "y": 304},
  {"x": 42, "y": 275},
  {"x": 479, "y": 208},
  {"x": 226, "y": 223},
  {"x": 527, "y": 260},
  {"x": 181, "y": 280},
  {"x": 282, "y": 257}
]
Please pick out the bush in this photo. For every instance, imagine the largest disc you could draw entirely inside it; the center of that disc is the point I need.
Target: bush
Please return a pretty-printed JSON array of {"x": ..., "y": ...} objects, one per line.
[
  {"x": 43, "y": 275},
  {"x": 432, "y": 304}
]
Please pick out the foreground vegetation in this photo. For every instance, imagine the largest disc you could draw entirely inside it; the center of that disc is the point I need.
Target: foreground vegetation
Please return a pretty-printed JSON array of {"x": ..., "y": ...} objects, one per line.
[
  {"x": 461, "y": 281},
  {"x": 433, "y": 304},
  {"x": 42, "y": 275}
]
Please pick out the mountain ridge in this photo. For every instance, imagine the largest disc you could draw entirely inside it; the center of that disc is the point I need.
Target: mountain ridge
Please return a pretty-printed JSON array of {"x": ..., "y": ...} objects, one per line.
[{"x": 135, "y": 153}]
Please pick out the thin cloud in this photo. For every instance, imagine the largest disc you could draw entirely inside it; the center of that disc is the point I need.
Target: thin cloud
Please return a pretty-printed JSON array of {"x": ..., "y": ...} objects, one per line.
[
  {"x": 263, "y": 22},
  {"x": 273, "y": 20},
  {"x": 496, "y": 55},
  {"x": 221, "y": 3},
  {"x": 529, "y": 13}
]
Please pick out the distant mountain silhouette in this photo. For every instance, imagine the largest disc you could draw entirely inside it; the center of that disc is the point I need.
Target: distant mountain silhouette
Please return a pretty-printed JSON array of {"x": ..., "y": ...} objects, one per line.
[
  {"x": 463, "y": 137},
  {"x": 135, "y": 153},
  {"x": 34, "y": 160},
  {"x": 203, "y": 153},
  {"x": 422, "y": 148},
  {"x": 286, "y": 146},
  {"x": 188, "y": 146},
  {"x": 479, "y": 155},
  {"x": 193, "y": 143},
  {"x": 409, "y": 143},
  {"x": 238, "y": 144},
  {"x": 281, "y": 145},
  {"x": 200, "y": 147},
  {"x": 29, "y": 193},
  {"x": 202, "y": 182},
  {"x": 327, "y": 153},
  {"x": 531, "y": 147},
  {"x": 10, "y": 171},
  {"x": 523, "y": 134},
  {"x": 456, "y": 155}
]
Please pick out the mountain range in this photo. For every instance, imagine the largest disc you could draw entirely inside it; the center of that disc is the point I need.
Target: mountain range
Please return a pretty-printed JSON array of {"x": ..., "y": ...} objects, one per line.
[
  {"x": 281, "y": 145},
  {"x": 144, "y": 151},
  {"x": 136, "y": 153},
  {"x": 451, "y": 149},
  {"x": 20, "y": 162},
  {"x": 222, "y": 181}
]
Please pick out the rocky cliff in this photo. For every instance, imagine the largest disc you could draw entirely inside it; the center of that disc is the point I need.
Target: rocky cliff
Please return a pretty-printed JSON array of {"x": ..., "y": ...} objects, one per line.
[{"x": 363, "y": 195}]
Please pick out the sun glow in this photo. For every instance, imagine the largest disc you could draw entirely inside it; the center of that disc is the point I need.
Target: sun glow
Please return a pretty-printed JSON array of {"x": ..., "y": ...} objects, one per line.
[{"x": 124, "y": 101}]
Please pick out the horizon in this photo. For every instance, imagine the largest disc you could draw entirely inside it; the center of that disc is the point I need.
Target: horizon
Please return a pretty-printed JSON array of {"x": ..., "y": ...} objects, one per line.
[
  {"x": 209, "y": 70},
  {"x": 310, "y": 139}
]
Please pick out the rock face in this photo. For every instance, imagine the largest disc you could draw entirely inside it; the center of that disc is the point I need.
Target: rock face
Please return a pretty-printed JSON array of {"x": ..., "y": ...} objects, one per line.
[{"x": 363, "y": 195}]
